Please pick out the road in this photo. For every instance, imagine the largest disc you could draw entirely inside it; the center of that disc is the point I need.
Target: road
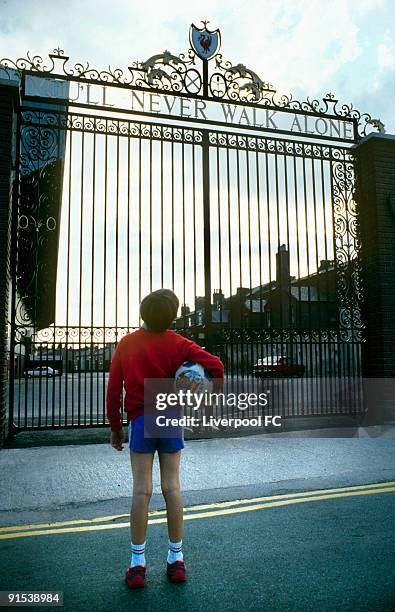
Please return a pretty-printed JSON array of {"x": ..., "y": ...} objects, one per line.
[
  {"x": 326, "y": 550},
  {"x": 273, "y": 522}
]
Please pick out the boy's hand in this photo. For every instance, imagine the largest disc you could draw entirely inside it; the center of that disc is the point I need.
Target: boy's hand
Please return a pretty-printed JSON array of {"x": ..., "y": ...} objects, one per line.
[{"x": 117, "y": 439}]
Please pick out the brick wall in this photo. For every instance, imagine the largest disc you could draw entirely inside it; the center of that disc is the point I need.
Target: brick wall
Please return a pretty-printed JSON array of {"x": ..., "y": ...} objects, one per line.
[
  {"x": 375, "y": 166},
  {"x": 8, "y": 101}
]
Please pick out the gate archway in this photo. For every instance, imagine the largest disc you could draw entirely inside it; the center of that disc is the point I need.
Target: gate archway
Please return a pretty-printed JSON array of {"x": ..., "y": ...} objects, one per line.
[{"x": 187, "y": 172}]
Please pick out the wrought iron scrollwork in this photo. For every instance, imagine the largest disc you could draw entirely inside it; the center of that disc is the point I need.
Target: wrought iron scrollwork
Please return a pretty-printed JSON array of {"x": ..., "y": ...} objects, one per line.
[
  {"x": 41, "y": 150},
  {"x": 276, "y": 336},
  {"x": 166, "y": 72},
  {"x": 73, "y": 335},
  {"x": 239, "y": 83},
  {"x": 36, "y": 123},
  {"x": 346, "y": 238},
  {"x": 264, "y": 144}
]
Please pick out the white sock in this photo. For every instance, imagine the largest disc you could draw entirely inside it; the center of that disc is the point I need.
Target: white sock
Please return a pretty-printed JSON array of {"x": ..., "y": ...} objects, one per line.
[
  {"x": 138, "y": 554},
  {"x": 175, "y": 552}
]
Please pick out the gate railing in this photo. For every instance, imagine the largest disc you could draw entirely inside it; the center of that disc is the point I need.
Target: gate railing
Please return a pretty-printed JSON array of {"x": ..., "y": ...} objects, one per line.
[{"x": 205, "y": 181}]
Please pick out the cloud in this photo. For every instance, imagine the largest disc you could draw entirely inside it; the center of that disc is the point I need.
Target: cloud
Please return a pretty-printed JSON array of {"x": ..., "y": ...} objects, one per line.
[
  {"x": 386, "y": 55},
  {"x": 306, "y": 47}
]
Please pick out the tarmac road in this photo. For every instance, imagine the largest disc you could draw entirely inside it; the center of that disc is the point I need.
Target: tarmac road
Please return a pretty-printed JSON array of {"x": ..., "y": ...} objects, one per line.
[{"x": 328, "y": 550}]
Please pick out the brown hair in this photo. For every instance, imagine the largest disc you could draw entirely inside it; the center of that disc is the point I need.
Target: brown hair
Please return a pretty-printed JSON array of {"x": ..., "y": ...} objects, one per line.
[{"x": 159, "y": 309}]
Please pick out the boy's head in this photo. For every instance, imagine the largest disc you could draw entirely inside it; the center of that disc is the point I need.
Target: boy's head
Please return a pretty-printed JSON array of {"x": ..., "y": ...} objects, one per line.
[{"x": 159, "y": 309}]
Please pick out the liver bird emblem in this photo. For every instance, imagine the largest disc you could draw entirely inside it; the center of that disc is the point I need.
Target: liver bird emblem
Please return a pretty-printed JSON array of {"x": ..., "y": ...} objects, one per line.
[{"x": 205, "y": 41}]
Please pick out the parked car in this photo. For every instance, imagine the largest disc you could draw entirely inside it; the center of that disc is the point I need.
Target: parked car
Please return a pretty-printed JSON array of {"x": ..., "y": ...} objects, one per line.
[
  {"x": 42, "y": 372},
  {"x": 277, "y": 365}
]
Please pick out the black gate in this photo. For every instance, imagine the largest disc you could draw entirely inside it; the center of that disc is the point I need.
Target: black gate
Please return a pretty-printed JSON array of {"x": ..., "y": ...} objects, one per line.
[{"x": 191, "y": 173}]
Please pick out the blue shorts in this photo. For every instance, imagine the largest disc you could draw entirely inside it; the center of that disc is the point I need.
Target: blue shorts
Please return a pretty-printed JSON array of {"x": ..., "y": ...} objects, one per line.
[{"x": 140, "y": 444}]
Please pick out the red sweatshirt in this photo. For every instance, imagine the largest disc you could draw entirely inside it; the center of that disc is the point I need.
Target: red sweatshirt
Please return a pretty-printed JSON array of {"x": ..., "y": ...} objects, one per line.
[{"x": 145, "y": 354}]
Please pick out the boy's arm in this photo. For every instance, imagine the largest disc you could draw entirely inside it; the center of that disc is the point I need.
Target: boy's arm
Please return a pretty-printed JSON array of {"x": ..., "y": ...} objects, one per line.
[
  {"x": 209, "y": 362},
  {"x": 114, "y": 393}
]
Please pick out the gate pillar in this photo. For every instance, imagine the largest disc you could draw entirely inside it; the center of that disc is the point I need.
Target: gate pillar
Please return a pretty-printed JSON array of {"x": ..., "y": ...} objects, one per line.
[
  {"x": 375, "y": 196},
  {"x": 9, "y": 96}
]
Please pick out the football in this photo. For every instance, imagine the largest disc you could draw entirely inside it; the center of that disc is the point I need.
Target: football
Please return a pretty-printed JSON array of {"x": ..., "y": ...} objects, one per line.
[{"x": 191, "y": 376}]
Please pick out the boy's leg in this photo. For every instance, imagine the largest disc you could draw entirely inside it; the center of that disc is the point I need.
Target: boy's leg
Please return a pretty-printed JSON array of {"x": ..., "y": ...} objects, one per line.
[
  {"x": 170, "y": 483},
  {"x": 142, "y": 491}
]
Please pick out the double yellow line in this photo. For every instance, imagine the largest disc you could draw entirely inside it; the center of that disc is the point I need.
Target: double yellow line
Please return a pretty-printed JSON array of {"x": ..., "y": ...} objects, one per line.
[{"x": 201, "y": 511}]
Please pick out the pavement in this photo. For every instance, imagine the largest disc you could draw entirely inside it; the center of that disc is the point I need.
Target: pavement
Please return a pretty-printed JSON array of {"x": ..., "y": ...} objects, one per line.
[{"x": 333, "y": 551}]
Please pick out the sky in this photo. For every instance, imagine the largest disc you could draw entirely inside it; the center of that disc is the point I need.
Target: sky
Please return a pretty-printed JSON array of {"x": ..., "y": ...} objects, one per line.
[{"x": 304, "y": 47}]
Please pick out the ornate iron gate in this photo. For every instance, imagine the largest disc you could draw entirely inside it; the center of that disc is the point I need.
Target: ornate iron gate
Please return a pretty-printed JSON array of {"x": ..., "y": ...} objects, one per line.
[{"x": 186, "y": 172}]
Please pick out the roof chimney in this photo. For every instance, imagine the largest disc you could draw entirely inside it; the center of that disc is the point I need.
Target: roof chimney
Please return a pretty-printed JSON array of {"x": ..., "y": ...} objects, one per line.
[{"x": 283, "y": 278}]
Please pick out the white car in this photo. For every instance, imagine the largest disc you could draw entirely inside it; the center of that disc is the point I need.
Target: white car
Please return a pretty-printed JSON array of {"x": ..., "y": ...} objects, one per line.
[{"x": 42, "y": 371}]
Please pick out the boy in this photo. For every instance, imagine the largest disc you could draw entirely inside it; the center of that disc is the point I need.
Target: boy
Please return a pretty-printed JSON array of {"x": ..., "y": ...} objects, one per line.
[{"x": 153, "y": 351}]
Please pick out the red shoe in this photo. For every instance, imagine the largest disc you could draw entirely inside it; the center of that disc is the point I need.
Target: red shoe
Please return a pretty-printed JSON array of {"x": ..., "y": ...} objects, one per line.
[
  {"x": 177, "y": 571},
  {"x": 135, "y": 577}
]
